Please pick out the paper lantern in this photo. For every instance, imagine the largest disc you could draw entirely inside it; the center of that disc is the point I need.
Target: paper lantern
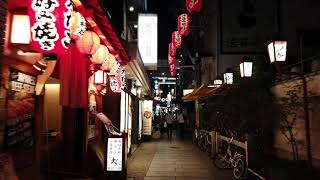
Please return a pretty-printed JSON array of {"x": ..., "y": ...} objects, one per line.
[
  {"x": 108, "y": 63},
  {"x": 49, "y": 24},
  {"x": 117, "y": 81},
  {"x": 77, "y": 25},
  {"x": 228, "y": 76},
  {"x": 176, "y": 39},
  {"x": 171, "y": 60},
  {"x": 172, "y": 50},
  {"x": 100, "y": 77},
  {"x": 89, "y": 43},
  {"x": 194, "y": 5},
  {"x": 246, "y": 69},
  {"x": 184, "y": 24},
  {"x": 101, "y": 54},
  {"x": 174, "y": 72},
  {"x": 277, "y": 51}
]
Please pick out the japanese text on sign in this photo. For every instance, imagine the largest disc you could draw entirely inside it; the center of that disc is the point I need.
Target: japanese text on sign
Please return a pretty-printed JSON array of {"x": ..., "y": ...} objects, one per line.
[{"x": 114, "y": 159}]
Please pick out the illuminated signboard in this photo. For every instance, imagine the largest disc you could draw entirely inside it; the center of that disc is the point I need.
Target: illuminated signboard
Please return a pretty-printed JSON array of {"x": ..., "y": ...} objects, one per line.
[
  {"x": 148, "y": 38},
  {"x": 114, "y": 159}
]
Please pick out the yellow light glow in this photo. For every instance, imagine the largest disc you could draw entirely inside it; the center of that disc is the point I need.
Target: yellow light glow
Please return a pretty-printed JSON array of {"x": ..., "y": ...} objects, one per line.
[{"x": 20, "y": 29}]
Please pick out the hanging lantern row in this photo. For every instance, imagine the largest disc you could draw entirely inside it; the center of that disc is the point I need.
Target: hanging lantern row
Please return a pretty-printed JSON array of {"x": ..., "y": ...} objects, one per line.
[
  {"x": 176, "y": 39},
  {"x": 184, "y": 24},
  {"x": 77, "y": 25},
  {"x": 172, "y": 50},
  {"x": 194, "y": 5},
  {"x": 101, "y": 54},
  {"x": 171, "y": 60},
  {"x": 246, "y": 69}
]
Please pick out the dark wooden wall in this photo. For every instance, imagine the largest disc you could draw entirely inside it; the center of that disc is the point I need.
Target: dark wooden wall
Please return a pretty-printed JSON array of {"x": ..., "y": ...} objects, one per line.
[{"x": 3, "y": 14}]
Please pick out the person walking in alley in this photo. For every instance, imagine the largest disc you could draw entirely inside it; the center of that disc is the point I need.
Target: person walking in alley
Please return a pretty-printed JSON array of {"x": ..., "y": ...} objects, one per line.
[
  {"x": 181, "y": 123},
  {"x": 169, "y": 119}
]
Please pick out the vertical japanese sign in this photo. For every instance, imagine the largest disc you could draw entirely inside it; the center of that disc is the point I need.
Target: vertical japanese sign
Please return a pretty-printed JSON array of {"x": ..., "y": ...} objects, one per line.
[
  {"x": 246, "y": 25},
  {"x": 50, "y": 25},
  {"x": 148, "y": 38},
  {"x": 114, "y": 154},
  {"x": 147, "y": 117}
]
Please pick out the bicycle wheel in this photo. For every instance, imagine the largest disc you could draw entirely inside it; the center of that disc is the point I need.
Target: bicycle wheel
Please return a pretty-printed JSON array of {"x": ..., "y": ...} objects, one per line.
[
  {"x": 221, "y": 161},
  {"x": 238, "y": 169}
]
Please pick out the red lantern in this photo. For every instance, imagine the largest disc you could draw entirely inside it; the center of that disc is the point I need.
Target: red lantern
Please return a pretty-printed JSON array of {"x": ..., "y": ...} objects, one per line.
[
  {"x": 172, "y": 50},
  {"x": 176, "y": 39},
  {"x": 101, "y": 54},
  {"x": 194, "y": 5},
  {"x": 50, "y": 27},
  {"x": 77, "y": 25},
  {"x": 108, "y": 63},
  {"x": 174, "y": 72},
  {"x": 89, "y": 43},
  {"x": 184, "y": 24},
  {"x": 170, "y": 59},
  {"x": 173, "y": 69}
]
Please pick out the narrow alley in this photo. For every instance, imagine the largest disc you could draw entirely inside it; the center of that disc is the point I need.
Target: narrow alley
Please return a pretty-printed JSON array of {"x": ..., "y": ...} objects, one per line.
[{"x": 176, "y": 159}]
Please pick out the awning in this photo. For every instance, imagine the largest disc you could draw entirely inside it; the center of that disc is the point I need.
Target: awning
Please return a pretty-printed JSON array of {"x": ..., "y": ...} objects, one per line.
[{"x": 204, "y": 91}]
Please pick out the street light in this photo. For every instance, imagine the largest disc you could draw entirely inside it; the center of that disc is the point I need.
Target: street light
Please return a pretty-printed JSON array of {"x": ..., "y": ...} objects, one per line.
[
  {"x": 216, "y": 82},
  {"x": 228, "y": 76},
  {"x": 277, "y": 50},
  {"x": 246, "y": 69}
]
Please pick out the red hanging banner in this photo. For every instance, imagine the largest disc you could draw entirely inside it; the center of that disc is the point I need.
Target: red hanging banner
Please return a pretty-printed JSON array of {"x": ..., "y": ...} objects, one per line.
[
  {"x": 194, "y": 5},
  {"x": 184, "y": 24},
  {"x": 172, "y": 50},
  {"x": 50, "y": 25},
  {"x": 176, "y": 39},
  {"x": 170, "y": 59}
]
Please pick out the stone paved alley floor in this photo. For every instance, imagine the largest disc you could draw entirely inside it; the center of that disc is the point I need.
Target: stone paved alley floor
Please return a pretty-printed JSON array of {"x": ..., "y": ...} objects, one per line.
[{"x": 175, "y": 159}]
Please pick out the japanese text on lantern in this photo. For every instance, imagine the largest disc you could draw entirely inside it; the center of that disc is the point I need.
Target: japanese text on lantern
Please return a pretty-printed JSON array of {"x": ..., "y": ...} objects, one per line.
[{"x": 50, "y": 22}]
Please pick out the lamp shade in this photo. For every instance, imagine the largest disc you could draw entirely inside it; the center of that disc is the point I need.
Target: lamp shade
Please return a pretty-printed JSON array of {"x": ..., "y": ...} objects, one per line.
[
  {"x": 246, "y": 69},
  {"x": 172, "y": 50},
  {"x": 100, "y": 77},
  {"x": 184, "y": 24},
  {"x": 194, "y": 5},
  {"x": 20, "y": 29},
  {"x": 89, "y": 43},
  {"x": 176, "y": 39},
  {"x": 77, "y": 25},
  {"x": 108, "y": 63},
  {"x": 277, "y": 50},
  {"x": 101, "y": 54},
  {"x": 228, "y": 77}
]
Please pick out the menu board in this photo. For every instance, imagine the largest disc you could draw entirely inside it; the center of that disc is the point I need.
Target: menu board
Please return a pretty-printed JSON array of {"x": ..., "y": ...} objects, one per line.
[
  {"x": 114, "y": 154},
  {"x": 20, "y": 109}
]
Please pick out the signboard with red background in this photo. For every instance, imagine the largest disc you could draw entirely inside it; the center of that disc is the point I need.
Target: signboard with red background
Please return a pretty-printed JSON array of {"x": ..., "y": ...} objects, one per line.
[{"x": 50, "y": 25}]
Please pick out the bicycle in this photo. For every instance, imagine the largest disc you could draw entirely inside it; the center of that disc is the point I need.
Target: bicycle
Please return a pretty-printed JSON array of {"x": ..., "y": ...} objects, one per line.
[{"x": 225, "y": 159}]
